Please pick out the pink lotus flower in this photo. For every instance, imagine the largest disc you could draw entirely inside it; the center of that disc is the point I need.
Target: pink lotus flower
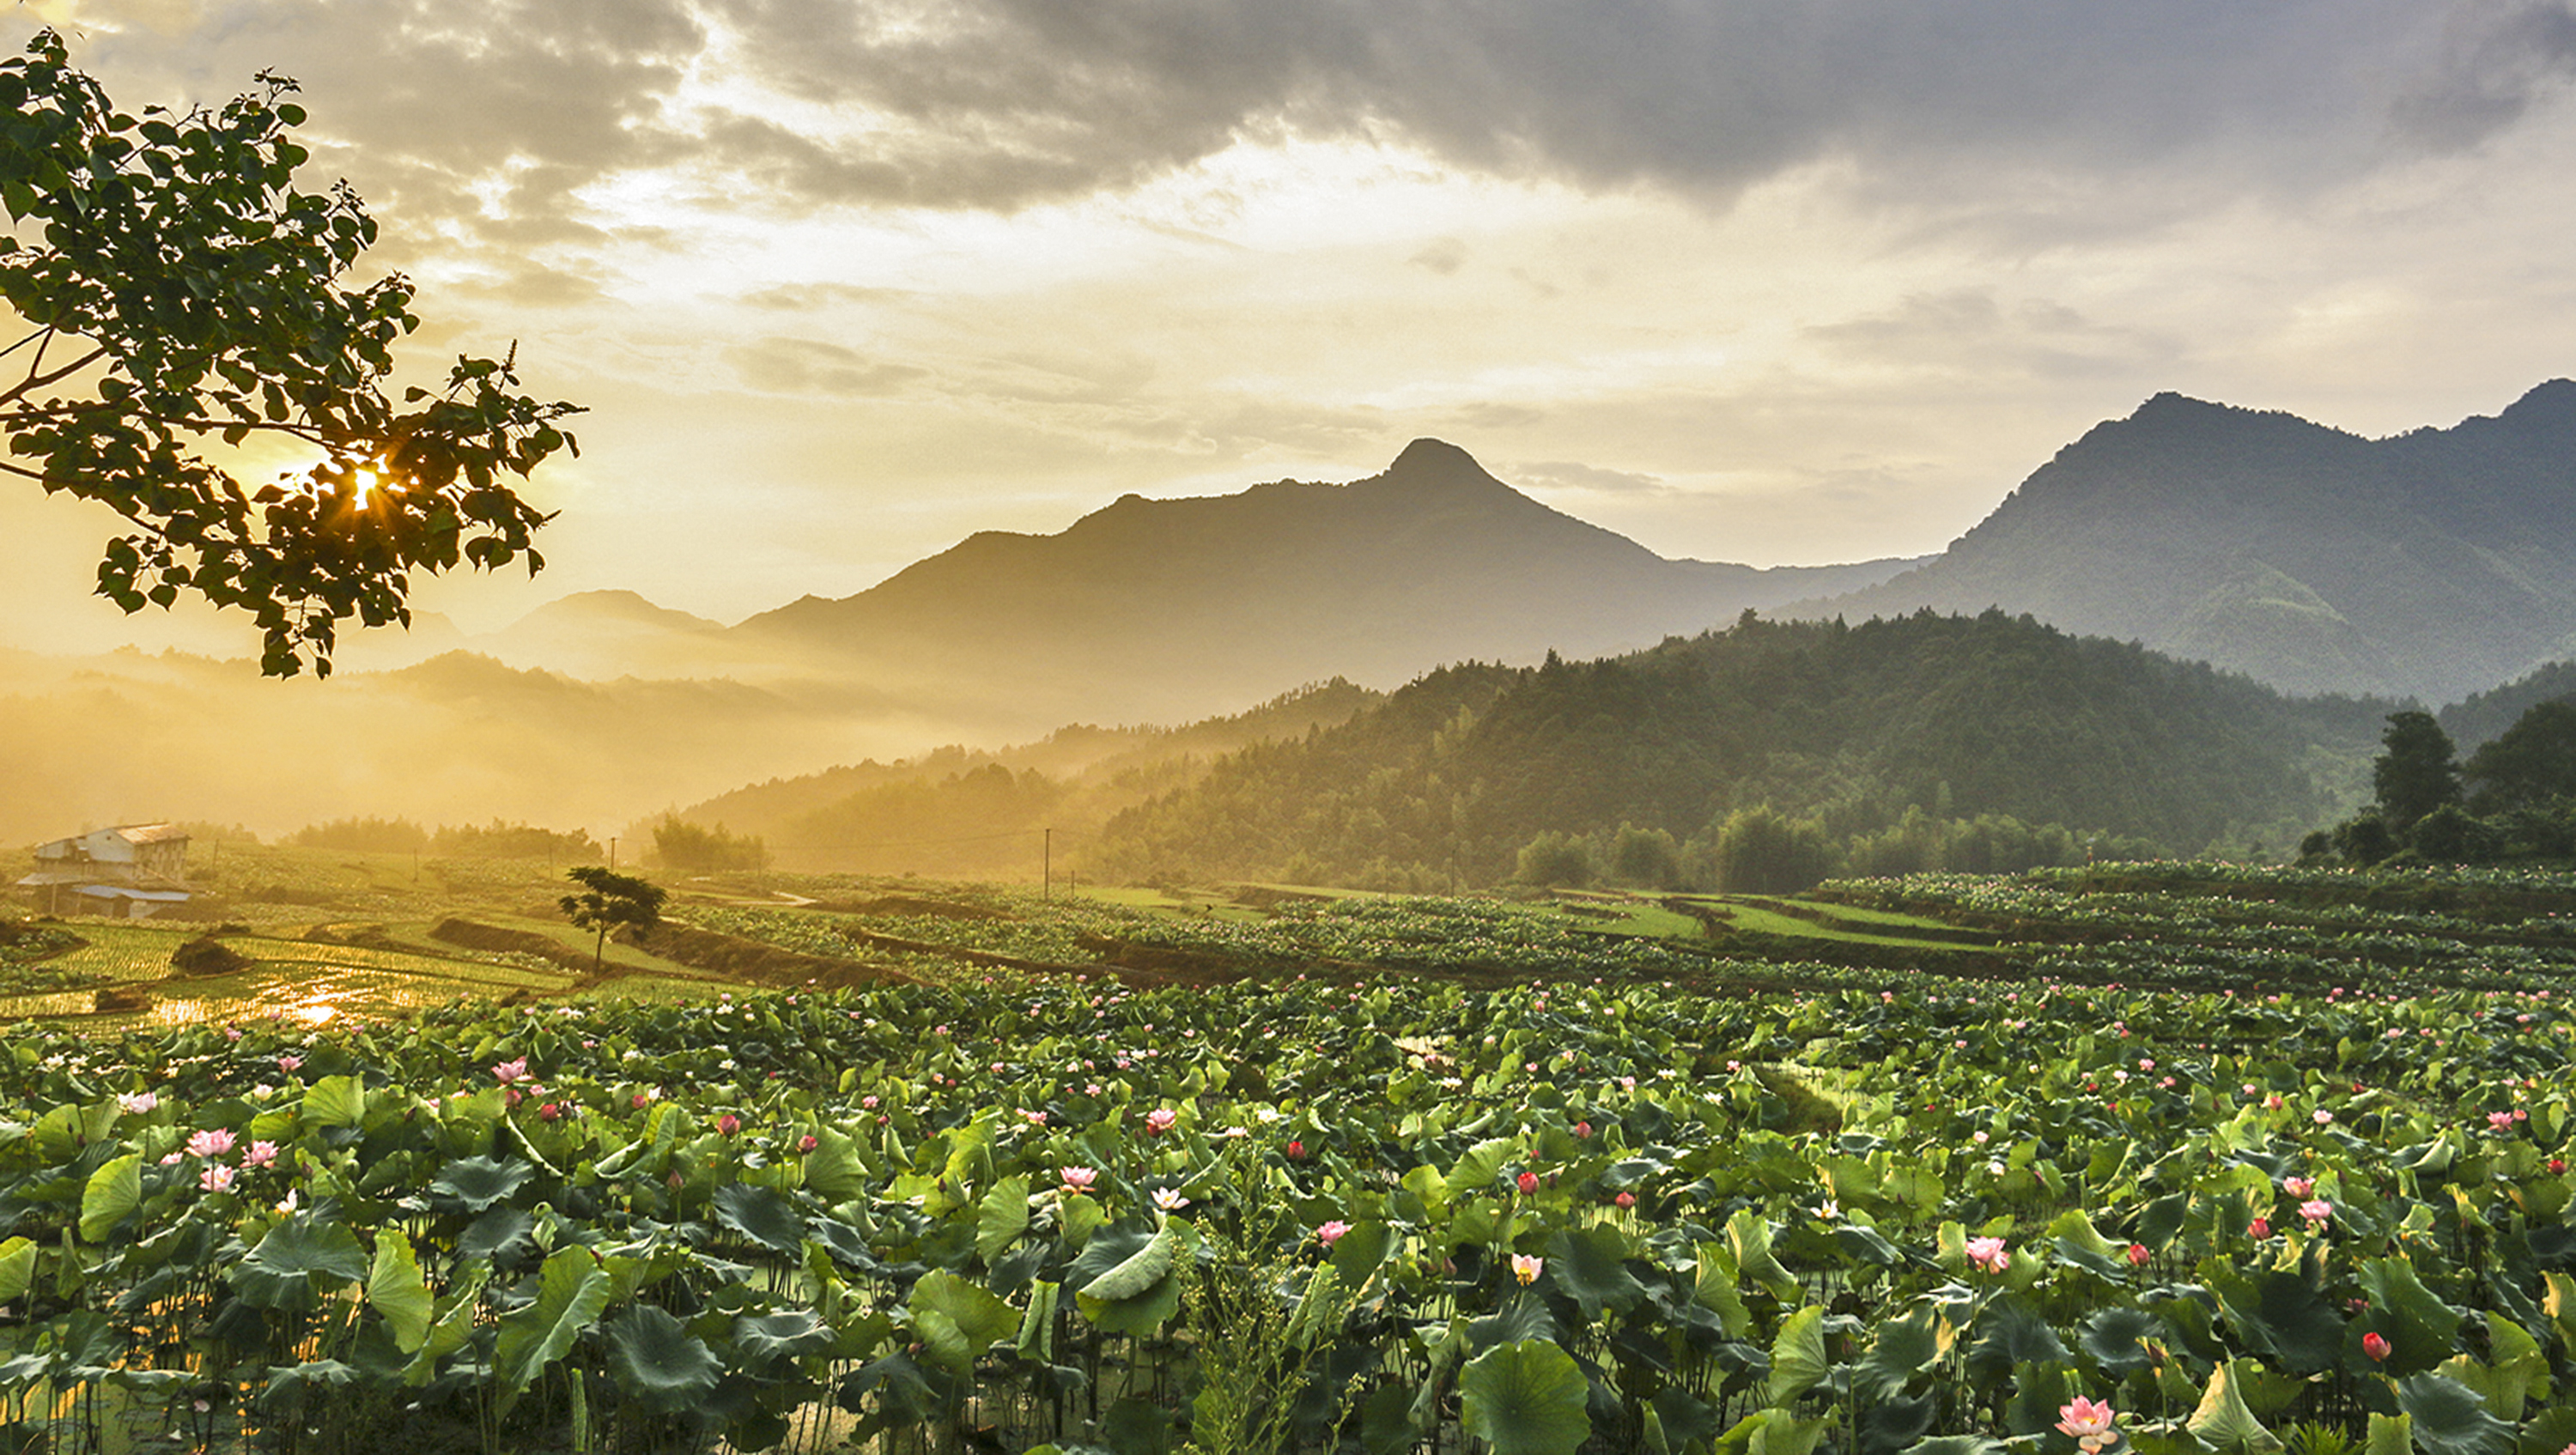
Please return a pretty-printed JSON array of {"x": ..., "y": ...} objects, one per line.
[
  {"x": 1625, "y": 1200},
  {"x": 2375, "y": 1345},
  {"x": 807, "y": 1143},
  {"x": 136, "y": 1103},
  {"x": 1296, "y": 1151},
  {"x": 2138, "y": 1255},
  {"x": 1527, "y": 1182},
  {"x": 728, "y": 1124},
  {"x": 1989, "y": 1254},
  {"x": 1160, "y": 1120},
  {"x": 212, "y": 1142},
  {"x": 261, "y": 1154},
  {"x": 2298, "y": 1186},
  {"x": 1583, "y": 1130},
  {"x": 506, "y": 1072},
  {"x": 1078, "y": 1180},
  {"x": 2261, "y": 1228},
  {"x": 2089, "y": 1422},
  {"x": 289, "y": 1064},
  {"x": 1526, "y": 1268},
  {"x": 550, "y": 1112},
  {"x": 2322, "y": 1117},
  {"x": 217, "y": 1178},
  {"x": 1331, "y": 1232},
  {"x": 2316, "y": 1210}
]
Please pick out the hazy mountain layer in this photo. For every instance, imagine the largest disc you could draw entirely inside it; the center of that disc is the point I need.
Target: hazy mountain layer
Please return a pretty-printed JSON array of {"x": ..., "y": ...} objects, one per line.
[
  {"x": 1164, "y": 610},
  {"x": 2432, "y": 564}
]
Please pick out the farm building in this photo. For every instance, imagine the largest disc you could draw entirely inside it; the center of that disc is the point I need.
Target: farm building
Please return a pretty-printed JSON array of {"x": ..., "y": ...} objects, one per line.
[{"x": 125, "y": 872}]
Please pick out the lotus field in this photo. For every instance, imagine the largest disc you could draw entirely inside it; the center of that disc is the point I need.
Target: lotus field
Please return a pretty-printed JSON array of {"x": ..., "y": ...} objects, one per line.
[{"x": 1378, "y": 1215}]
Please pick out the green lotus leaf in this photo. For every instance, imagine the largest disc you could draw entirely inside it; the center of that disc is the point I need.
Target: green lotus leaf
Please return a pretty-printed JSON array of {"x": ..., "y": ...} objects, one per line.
[
  {"x": 1138, "y": 1272},
  {"x": 297, "y": 1255},
  {"x": 1526, "y": 1398},
  {"x": 396, "y": 1289},
  {"x": 1588, "y": 1265},
  {"x": 657, "y": 1362},
  {"x": 1904, "y": 1348},
  {"x": 2420, "y": 1328},
  {"x": 476, "y": 1183},
  {"x": 111, "y": 1196},
  {"x": 572, "y": 1288},
  {"x": 761, "y": 1214},
  {"x": 1798, "y": 1359},
  {"x": 785, "y": 1334},
  {"x": 2450, "y": 1419},
  {"x": 955, "y": 1320},
  {"x": 1525, "y": 1317},
  {"x": 2115, "y": 1339},
  {"x": 2281, "y": 1316},
  {"x": 1001, "y": 1216},
  {"x": 2223, "y": 1421},
  {"x": 335, "y": 1101}
]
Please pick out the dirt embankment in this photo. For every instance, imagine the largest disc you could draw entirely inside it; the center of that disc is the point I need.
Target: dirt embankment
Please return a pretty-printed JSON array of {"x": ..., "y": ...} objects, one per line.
[
  {"x": 470, "y": 935},
  {"x": 742, "y": 959}
]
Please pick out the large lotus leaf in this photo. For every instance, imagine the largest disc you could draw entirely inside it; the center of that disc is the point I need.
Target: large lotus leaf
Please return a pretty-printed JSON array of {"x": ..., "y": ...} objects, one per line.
[
  {"x": 1135, "y": 1274},
  {"x": 1890, "y": 1425},
  {"x": 113, "y": 1192},
  {"x": 1483, "y": 1162},
  {"x": 786, "y": 1334},
  {"x": 335, "y": 1101},
  {"x": 17, "y": 1267},
  {"x": 87, "y": 1346},
  {"x": 1798, "y": 1359},
  {"x": 396, "y": 1290},
  {"x": 2420, "y": 1328},
  {"x": 2224, "y": 1422},
  {"x": 475, "y": 1183},
  {"x": 1905, "y": 1347},
  {"x": 1525, "y": 1317},
  {"x": 571, "y": 1290},
  {"x": 657, "y": 1362},
  {"x": 1002, "y": 1216},
  {"x": 1748, "y": 1237},
  {"x": 761, "y": 1214},
  {"x": 1527, "y": 1398},
  {"x": 835, "y": 1169},
  {"x": 1106, "y": 1249},
  {"x": 2549, "y": 1432},
  {"x": 2450, "y": 1419},
  {"x": 2516, "y": 1369},
  {"x": 2390, "y": 1435},
  {"x": 2007, "y": 1332},
  {"x": 2115, "y": 1339},
  {"x": 1957, "y": 1445},
  {"x": 291, "y": 1390},
  {"x": 2283, "y": 1317},
  {"x": 955, "y": 1320},
  {"x": 282, "y": 1271},
  {"x": 2039, "y": 1392},
  {"x": 504, "y": 1238},
  {"x": 1036, "y": 1341},
  {"x": 1774, "y": 1432},
  {"x": 1687, "y": 1420},
  {"x": 1360, "y": 1252},
  {"x": 1716, "y": 1290},
  {"x": 1588, "y": 1265},
  {"x": 1867, "y": 1245},
  {"x": 1140, "y": 1314}
]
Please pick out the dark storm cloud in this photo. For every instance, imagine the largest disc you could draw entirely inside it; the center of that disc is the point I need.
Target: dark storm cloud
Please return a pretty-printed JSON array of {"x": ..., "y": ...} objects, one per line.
[
  {"x": 493, "y": 115},
  {"x": 1000, "y": 103}
]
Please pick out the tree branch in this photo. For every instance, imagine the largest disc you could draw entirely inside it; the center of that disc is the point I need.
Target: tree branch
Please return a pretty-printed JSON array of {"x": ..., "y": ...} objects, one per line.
[{"x": 39, "y": 381}]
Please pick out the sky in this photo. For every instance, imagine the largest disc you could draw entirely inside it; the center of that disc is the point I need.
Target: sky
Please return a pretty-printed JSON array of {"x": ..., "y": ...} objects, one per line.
[{"x": 1746, "y": 280}]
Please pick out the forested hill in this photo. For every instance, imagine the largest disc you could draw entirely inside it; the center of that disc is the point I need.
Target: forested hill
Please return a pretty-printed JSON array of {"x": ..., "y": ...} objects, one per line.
[
  {"x": 2433, "y": 564},
  {"x": 1875, "y": 747}
]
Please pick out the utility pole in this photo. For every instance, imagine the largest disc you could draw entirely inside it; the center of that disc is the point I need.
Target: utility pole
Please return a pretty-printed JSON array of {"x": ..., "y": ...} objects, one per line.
[{"x": 612, "y": 851}]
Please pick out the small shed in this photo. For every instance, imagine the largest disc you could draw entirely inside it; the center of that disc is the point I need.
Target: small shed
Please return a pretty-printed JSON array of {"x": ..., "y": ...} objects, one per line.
[{"x": 126, "y": 872}]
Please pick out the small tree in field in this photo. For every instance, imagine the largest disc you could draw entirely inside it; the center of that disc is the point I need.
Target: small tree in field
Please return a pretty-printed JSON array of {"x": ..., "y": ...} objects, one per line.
[{"x": 610, "y": 899}]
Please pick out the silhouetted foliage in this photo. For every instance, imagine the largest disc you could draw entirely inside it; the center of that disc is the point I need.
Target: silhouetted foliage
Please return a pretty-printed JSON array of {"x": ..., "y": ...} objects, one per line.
[
  {"x": 611, "y": 901},
  {"x": 362, "y": 836},
  {"x": 679, "y": 844},
  {"x": 498, "y": 840},
  {"x": 2529, "y": 764},
  {"x": 2415, "y": 772}
]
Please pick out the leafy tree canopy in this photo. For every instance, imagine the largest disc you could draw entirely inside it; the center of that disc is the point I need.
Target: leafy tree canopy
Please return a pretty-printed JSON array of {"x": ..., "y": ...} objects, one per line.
[
  {"x": 179, "y": 296},
  {"x": 2415, "y": 773},
  {"x": 610, "y": 900}
]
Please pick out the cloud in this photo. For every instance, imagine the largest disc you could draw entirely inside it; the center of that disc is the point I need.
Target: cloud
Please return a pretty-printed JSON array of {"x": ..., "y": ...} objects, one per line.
[
  {"x": 1970, "y": 330},
  {"x": 1444, "y": 256},
  {"x": 779, "y": 365},
  {"x": 816, "y": 297},
  {"x": 1570, "y": 475},
  {"x": 2491, "y": 73}
]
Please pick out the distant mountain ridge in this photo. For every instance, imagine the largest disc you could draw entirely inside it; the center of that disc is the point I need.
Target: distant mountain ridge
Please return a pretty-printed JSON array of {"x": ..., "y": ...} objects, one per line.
[
  {"x": 1169, "y": 609},
  {"x": 2432, "y": 564}
]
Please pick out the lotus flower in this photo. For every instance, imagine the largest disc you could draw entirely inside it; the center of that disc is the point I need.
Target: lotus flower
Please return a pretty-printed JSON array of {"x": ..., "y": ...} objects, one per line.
[
  {"x": 1526, "y": 1268},
  {"x": 506, "y": 1072},
  {"x": 1078, "y": 1180},
  {"x": 1989, "y": 1254},
  {"x": 2138, "y": 1255},
  {"x": 2316, "y": 1210},
  {"x": 212, "y": 1142},
  {"x": 2090, "y": 1422},
  {"x": 136, "y": 1103},
  {"x": 2298, "y": 1186},
  {"x": 1160, "y": 1120},
  {"x": 261, "y": 1154},
  {"x": 217, "y": 1178},
  {"x": 1331, "y": 1233},
  {"x": 2375, "y": 1345},
  {"x": 1169, "y": 1199},
  {"x": 1526, "y": 1182}
]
